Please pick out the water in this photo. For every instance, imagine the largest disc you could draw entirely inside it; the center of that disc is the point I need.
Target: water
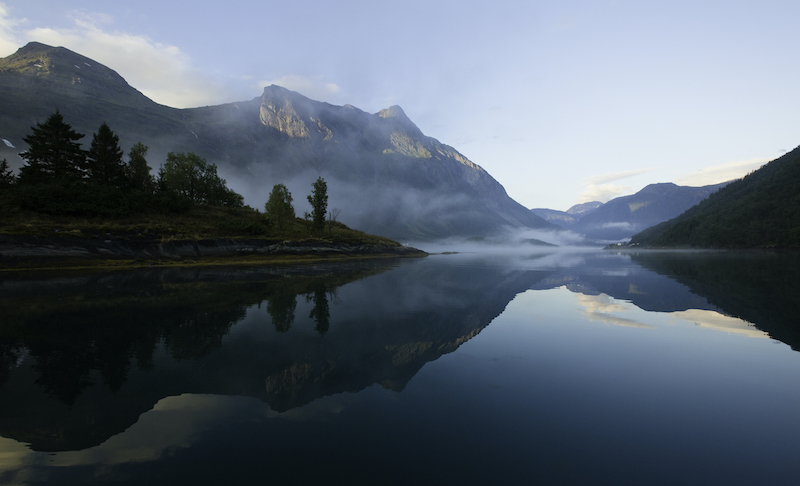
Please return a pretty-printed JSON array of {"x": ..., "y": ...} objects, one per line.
[{"x": 547, "y": 368}]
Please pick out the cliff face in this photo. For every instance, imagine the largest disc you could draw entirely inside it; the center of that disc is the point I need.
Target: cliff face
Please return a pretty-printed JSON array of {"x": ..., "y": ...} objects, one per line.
[
  {"x": 396, "y": 180},
  {"x": 383, "y": 173}
]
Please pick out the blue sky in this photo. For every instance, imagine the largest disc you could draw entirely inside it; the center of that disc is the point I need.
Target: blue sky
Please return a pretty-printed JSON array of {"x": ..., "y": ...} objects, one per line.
[{"x": 562, "y": 102}]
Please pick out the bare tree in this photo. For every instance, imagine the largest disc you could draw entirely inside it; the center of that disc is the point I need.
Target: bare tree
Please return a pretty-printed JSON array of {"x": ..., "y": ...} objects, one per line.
[{"x": 333, "y": 216}]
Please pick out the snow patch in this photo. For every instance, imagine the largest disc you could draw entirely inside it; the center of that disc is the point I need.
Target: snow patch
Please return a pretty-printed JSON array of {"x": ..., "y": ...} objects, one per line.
[
  {"x": 87, "y": 64},
  {"x": 195, "y": 135},
  {"x": 76, "y": 66},
  {"x": 8, "y": 143}
]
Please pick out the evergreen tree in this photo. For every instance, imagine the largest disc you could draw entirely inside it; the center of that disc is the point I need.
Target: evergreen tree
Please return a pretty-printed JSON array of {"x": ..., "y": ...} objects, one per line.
[
  {"x": 54, "y": 153},
  {"x": 279, "y": 207},
  {"x": 319, "y": 204},
  {"x": 6, "y": 176},
  {"x": 137, "y": 171},
  {"x": 104, "y": 160}
]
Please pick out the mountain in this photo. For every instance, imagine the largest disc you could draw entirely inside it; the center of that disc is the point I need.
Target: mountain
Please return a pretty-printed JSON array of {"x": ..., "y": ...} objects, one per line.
[
  {"x": 622, "y": 217},
  {"x": 760, "y": 210},
  {"x": 584, "y": 209},
  {"x": 383, "y": 173},
  {"x": 568, "y": 217}
]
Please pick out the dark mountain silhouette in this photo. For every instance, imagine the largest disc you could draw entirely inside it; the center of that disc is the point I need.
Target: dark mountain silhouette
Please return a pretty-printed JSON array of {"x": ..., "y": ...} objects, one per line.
[
  {"x": 383, "y": 173},
  {"x": 760, "y": 210}
]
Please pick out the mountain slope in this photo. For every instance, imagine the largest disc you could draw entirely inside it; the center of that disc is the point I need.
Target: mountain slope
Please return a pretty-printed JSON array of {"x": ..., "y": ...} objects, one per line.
[
  {"x": 384, "y": 174},
  {"x": 623, "y": 217},
  {"x": 38, "y": 78},
  {"x": 760, "y": 210},
  {"x": 568, "y": 217}
]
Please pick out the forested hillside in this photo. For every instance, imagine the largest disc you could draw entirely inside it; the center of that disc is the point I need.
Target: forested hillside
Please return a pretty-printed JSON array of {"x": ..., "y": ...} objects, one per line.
[{"x": 759, "y": 211}]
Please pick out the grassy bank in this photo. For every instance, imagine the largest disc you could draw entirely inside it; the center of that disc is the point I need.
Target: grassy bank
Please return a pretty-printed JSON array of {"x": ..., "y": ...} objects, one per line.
[
  {"x": 194, "y": 224},
  {"x": 197, "y": 222}
]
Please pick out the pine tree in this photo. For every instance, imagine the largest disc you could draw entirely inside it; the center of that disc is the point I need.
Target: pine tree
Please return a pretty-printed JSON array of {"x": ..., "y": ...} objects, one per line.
[
  {"x": 104, "y": 161},
  {"x": 6, "y": 175},
  {"x": 319, "y": 204},
  {"x": 54, "y": 153}
]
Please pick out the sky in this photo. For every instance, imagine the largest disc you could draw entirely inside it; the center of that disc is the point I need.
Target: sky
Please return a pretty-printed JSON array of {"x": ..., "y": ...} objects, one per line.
[{"x": 562, "y": 102}]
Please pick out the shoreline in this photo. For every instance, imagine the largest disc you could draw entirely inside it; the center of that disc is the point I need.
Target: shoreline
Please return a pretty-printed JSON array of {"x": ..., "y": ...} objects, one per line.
[{"x": 21, "y": 253}]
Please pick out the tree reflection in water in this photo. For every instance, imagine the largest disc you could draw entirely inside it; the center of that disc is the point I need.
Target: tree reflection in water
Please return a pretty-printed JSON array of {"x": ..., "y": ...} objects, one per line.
[{"x": 76, "y": 332}]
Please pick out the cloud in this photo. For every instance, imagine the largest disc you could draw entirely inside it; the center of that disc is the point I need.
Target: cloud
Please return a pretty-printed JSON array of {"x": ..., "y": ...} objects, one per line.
[
  {"x": 720, "y": 173},
  {"x": 615, "y": 176},
  {"x": 718, "y": 322},
  {"x": 601, "y": 192},
  {"x": 598, "y": 188},
  {"x": 160, "y": 71},
  {"x": 600, "y": 308},
  {"x": 8, "y": 31},
  {"x": 314, "y": 88}
]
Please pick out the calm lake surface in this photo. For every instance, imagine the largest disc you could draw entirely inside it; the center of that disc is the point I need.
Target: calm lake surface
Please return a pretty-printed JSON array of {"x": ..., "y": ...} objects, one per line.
[{"x": 583, "y": 367}]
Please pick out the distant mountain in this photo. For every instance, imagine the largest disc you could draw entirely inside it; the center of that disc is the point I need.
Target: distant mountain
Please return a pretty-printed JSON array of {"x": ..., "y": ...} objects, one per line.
[
  {"x": 383, "y": 173},
  {"x": 568, "y": 217},
  {"x": 585, "y": 209},
  {"x": 760, "y": 210},
  {"x": 622, "y": 217},
  {"x": 561, "y": 218}
]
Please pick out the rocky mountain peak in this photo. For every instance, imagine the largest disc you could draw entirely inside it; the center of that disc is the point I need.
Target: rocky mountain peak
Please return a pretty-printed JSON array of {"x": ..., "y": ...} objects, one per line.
[
  {"x": 398, "y": 121},
  {"x": 393, "y": 111},
  {"x": 279, "y": 111}
]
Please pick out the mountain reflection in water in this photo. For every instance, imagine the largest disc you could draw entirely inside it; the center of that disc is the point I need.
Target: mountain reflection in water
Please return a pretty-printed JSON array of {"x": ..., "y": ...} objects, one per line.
[
  {"x": 141, "y": 361},
  {"x": 92, "y": 353}
]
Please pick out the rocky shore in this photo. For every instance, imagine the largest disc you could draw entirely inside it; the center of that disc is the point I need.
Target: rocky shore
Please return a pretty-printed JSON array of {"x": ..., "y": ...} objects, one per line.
[{"x": 19, "y": 251}]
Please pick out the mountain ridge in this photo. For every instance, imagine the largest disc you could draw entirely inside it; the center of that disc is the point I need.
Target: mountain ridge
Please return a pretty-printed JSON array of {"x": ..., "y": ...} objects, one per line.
[
  {"x": 383, "y": 172},
  {"x": 622, "y": 217},
  {"x": 761, "y": 210}
]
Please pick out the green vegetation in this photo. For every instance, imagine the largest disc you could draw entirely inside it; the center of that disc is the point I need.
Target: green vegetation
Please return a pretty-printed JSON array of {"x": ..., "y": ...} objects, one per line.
[
  {"x": 279, "y": 209},
  {"x": 190, "y": 177},
  {"x": 761, "y": 210},
  {"x": 64, "y": 191}
]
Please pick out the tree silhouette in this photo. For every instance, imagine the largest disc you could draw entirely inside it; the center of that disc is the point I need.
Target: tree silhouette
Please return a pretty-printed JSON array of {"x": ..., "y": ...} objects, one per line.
[
  {"x": 53, "y": 154},
  {"x": 281, "y": 307},
  {"x": 104, "y": 160},
  {"x": 320, "y": 312},
  {"x": 191, "y": 177},
  {"x": 279, "y": 207},
  {"x": 137, "y": 171},
  {"x": 319, "y": 204}
]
